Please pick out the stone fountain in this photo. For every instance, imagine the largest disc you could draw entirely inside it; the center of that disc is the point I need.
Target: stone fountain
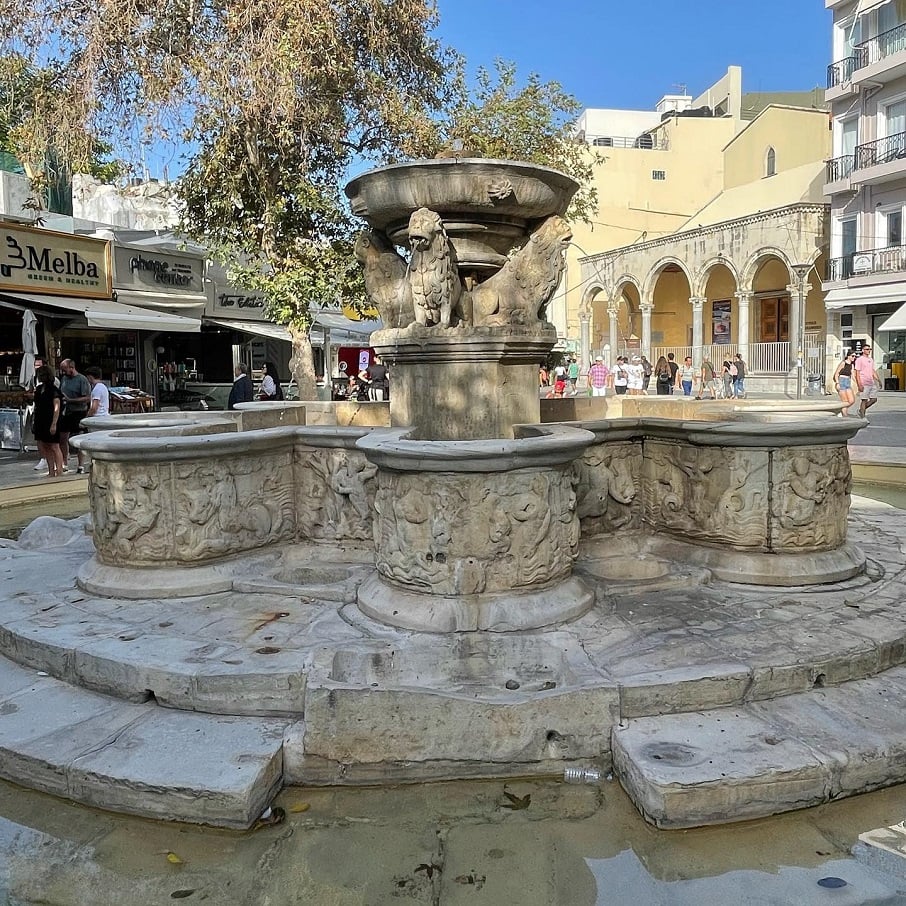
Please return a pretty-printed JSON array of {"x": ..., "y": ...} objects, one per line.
[{"x": 456, "y": 588}]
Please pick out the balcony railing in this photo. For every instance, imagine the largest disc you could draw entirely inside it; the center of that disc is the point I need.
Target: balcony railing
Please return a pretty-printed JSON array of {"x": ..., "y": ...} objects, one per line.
[
  {"x": 646, "y": 142},
  {"x": 839, "y": 168},
  {"x": 889, "y": 260},
  {"x": 881, "y": 151},
  {"x": 876, "y": 49},
  {"x": 841, "y": 71}
]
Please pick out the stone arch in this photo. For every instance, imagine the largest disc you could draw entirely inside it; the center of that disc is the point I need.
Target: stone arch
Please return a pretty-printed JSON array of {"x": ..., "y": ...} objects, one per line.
[
  {"x": 656, "y": 271},
  {"x": 704, "y": 273},
  {"x": 747, "y": 278},
  {"x": 591, "y": 292},
  {"x": 624, "y": 280}
]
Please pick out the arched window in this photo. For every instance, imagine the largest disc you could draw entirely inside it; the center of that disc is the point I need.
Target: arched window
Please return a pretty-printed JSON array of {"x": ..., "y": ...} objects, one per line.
[{"x": 770, "y": 163}]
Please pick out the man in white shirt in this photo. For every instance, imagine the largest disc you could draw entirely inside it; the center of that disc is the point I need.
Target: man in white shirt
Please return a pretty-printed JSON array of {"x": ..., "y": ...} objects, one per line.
[{"x": 100, "y": 396}]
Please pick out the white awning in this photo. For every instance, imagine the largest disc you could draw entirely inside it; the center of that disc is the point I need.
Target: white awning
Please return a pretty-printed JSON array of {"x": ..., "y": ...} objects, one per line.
[
  {"x": 897, "y": 321},
  {"x": 864, "y": 295},
  {"x": 103, "y": 313},
  {"x": 158, "y": 301},
  {"x": 257, "y": 328}
]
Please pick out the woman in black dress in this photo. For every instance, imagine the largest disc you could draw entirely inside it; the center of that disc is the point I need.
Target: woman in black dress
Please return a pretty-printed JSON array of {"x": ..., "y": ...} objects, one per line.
[{"x": 48, "y": 403}]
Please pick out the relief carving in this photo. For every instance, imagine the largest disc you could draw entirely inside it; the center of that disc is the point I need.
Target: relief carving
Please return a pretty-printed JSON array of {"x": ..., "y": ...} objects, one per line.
[
  {"x": 608, "y": 488},
  {"x": 336, "y": 495},
  {"x": 811, "y": 498},
  {"x": 127, "y": 505},
  {"x": 458, "y": 534},
  {"x": 227, "y": 506}
]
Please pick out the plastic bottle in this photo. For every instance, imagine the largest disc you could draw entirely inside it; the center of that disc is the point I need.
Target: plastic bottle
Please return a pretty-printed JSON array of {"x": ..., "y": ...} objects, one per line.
[{"x": 581, "y": 775}]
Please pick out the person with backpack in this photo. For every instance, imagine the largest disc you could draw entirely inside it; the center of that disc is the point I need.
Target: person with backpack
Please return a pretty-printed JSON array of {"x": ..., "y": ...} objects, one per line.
[{"x": 663, "y": 377}]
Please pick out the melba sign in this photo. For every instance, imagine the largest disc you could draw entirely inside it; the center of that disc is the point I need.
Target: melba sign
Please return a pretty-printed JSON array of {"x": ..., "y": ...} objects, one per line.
[{"x": 59, "y": 264}]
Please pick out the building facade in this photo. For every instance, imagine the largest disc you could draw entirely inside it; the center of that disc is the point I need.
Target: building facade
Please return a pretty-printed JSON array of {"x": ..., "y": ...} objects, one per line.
[{"x": 865, "y": 182}]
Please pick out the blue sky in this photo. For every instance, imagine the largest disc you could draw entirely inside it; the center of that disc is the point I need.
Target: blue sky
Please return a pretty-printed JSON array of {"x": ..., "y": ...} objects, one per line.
[{"x": 610, "y": 53}]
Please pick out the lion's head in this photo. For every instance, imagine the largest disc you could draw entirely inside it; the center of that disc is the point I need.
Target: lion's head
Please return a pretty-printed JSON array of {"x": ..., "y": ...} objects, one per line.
[{"x": 425, "y": 226}]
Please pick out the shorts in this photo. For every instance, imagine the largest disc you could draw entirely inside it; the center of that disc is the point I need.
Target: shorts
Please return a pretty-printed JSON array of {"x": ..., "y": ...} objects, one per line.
[
  {"x": 844, "y": 382},
  {"x": 598, "y": 391},
  {"x": 620, "y": 389},
  {"x": 71, "y": 423},
  {"x": 869, "y": 392}
]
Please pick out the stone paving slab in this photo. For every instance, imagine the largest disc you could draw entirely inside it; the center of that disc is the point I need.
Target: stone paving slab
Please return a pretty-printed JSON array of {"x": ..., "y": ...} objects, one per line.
[
  {"x": 730, "y": 764},
  {"x": 140, "y": 759}
]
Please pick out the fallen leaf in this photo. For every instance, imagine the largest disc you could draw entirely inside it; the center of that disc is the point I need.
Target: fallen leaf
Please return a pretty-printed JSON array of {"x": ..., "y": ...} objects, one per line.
[
  {"x": 516, "y": 803},
  {"x": 270, "y": 618},
  {"x": 300, "y": 807},
  {"x": 181, "y": 894},
  {"x": 429, "y": 869},
  {"x": 173, "y": 859}
]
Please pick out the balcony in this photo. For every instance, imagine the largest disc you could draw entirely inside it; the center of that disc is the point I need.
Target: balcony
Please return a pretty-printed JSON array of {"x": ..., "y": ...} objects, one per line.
[
  {"x": 889, "y": 260},
  {"x": 882, "y": 160},
  {"x": 646, "y": 142},
  {"x": 840, "y": 78},
  {"x": 883, "y": 57},
  {"x": 837, "y": 174}
]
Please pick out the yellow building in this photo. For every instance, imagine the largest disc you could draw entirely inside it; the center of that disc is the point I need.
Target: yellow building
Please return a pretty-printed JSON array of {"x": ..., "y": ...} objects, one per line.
[{"x": 738, "y": 270}]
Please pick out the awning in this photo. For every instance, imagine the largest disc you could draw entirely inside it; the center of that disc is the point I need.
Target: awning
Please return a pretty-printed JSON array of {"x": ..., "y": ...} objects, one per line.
[
  {"x": 103, "y": 313},
  {"x": 897, "y": 321},
  {"x": 864, "y": 295},
  {"x": 157, "y": 301},
  {"x": 257, "y": 328}
]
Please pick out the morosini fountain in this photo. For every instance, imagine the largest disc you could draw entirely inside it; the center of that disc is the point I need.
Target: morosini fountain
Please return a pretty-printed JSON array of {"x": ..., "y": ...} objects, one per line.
[{"x": 262, "y": 600}]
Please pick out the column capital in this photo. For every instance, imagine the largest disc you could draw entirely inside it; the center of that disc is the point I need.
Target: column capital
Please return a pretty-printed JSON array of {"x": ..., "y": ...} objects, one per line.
[
  {"x": 799, "y": 289},
  {"x": 697, "y": 301},
  {"x": 646, "y": 307},
  {"x": 584, "y": 316},
  {"x": 744, "y": 297},
  {"x": 613, "y": 309}
]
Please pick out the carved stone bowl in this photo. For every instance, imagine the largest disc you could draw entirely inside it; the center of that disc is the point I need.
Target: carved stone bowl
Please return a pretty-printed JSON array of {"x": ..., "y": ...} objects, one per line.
[{"x": 488, "y": 206}]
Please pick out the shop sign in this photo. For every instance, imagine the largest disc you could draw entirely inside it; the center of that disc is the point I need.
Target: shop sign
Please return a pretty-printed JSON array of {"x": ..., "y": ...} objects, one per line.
[
  {"x": 228, "y": 301},
  {"x": 55, "y": 264},
  {"x": 146, "y": 270},
  {"x": 720, "y": 323}
]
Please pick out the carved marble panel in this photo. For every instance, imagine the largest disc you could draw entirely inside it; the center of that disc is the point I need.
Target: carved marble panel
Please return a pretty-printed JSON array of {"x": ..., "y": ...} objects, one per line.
[
  {"x": 225, "y": 505},
  {"x": 130, "y": 512},
  {"x": 811, "y": 498},
  {"x": 716, "y": 495},
  {"x": 608, "y": 489},
  {"x": 335, "y": 491},
  {"x": 463, "y": 533}
]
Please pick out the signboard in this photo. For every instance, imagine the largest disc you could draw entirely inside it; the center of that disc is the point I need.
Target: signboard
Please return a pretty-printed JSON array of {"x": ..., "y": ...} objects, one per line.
[
  {"x": 150, "y": 271},
  {"x": 53, "y": 264},
  {"x": 226, "y": 300},
  {"x": 720, "y": 323}
]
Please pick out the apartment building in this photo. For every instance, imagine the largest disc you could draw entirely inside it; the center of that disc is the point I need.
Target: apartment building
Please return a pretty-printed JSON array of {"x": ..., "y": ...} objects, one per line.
[{"x": 865, "y": 181}]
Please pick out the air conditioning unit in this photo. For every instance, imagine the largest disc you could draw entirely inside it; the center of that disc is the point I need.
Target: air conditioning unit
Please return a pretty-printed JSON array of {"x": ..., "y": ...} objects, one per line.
[{"x": 861, "y": 264}]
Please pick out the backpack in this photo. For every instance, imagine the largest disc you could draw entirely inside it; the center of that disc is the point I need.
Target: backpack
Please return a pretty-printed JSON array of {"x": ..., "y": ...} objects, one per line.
[{"x": 734, "y": 371}]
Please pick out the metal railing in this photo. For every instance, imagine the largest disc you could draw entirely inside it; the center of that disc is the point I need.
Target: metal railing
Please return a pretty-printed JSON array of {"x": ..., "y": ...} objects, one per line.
[
  {"x": 883, "y": 45},
  {"x": 888, "y": 260},
  {"x": 881, "y": 151},
  {"x": 839, "y": 167},
  {"x": 841, "y": 71},
  {"x": 646, "y": 142}
]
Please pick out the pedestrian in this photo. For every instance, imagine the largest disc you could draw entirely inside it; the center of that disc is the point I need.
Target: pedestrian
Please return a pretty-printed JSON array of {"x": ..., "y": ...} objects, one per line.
[
  {"x": 739, "y": 381},
  {"x": 647, "y": 371},
  {"x": 706, "y": 377},
  {"x": 30, "y": 408},
  {"x": 674, "y": 369},
  {"x": 727, "y": 371},
  {"x": 620, "y": 376},
  {"x": 662, "y": 376},
  {"x": 76, "y": 396},
  {"x": 572, "y": 374},
  {"x": 380, "y": 381},
  {"x": 270, "y": 388},
  {"x": 868, "y": 380},
  {"x": 560, "y": 378},
  {"x": 636, "y": 376},
  {"x": 100, "y": 395},
  {"x": 846, "y": 382},
  {"x": 242, "y": 390},
  {"x": 46, "y": 425},
  {"x": 598, "y": 375},
  {"x": 685, "y": 376},
  {"x": 543, "y": 377}
]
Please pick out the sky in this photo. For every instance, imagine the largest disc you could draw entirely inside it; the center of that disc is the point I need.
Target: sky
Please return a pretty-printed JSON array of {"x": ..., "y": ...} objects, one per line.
[{"x": 609, "y": 53}]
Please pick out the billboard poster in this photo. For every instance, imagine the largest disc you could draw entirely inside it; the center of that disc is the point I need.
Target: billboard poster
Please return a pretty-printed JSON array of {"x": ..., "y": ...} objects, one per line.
[{"x": 720, "y": 323}]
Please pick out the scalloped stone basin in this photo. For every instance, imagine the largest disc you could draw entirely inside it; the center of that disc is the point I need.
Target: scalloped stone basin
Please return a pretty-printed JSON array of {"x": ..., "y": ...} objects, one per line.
[{"x": 488, "y": 206}]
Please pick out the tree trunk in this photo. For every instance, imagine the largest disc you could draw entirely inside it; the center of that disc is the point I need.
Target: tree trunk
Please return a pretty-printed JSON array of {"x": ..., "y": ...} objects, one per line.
[{"x": 302, "y": 365}]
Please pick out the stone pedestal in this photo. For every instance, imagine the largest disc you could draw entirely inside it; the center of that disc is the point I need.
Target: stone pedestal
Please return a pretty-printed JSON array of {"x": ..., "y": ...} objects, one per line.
[{"x": 465, "y": 383}]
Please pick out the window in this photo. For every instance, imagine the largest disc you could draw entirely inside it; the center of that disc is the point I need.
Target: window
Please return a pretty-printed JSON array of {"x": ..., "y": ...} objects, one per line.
[
  {"x": 659, "y": 174},
  {"x": 894, "y": 224},
  {"x": 603, "y": 141},
  {"x": 770, "y": 162}
]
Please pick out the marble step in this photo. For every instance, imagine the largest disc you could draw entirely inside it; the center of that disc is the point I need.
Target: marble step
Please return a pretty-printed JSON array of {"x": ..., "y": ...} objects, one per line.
[
  {"x": 136, "y": 758},
  {"x": 733, "y": 764}
]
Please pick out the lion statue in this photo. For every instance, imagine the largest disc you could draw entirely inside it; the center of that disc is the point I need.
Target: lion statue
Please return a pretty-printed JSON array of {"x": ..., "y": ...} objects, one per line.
[
  {"x": 385, "y": 278},
  {"x": 437, "y": 292},
  {"x": 520, "y": 291}
]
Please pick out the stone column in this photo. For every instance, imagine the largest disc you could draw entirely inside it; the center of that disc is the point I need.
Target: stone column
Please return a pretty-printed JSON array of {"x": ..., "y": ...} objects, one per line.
[
  {"x": 584, "y": 341},
  {"x": 698, "y": 305},
  {"x": 646, "y": 308},
  {"x": 798, "y": 295},
  {"x": 743, "y": 301},
  {"x": 612, "y": 311}
]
